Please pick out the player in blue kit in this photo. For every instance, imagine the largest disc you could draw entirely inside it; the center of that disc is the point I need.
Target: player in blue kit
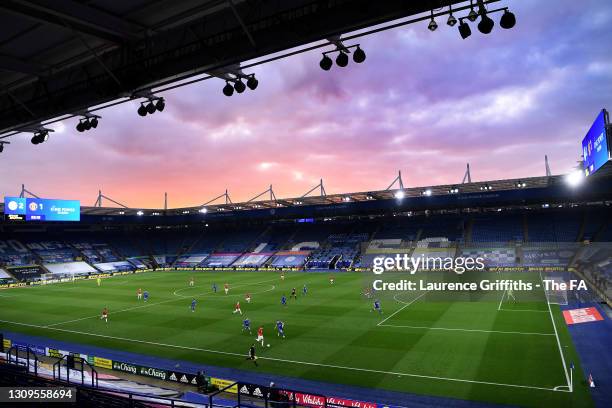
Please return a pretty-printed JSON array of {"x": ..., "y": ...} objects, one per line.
[
  {"x": 280, "y": 329},
  {"x": 284, "y": 300},
  {"x": 377, "y": 306},
  {"x": 193, "y": 304},
  {"x": 304, "y": 289},
  {"x": 214, "y": 287},
  {"x": 246, "y": 325},
  {"x": 145, "y": 295}
]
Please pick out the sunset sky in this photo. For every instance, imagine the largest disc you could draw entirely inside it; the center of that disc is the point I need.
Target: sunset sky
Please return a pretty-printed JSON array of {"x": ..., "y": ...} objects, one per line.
[{"x": 423, "y": 102}]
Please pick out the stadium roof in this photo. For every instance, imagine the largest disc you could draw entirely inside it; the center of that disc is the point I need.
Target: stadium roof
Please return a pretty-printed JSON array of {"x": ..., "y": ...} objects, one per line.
[{"x": 61, "y": 57}]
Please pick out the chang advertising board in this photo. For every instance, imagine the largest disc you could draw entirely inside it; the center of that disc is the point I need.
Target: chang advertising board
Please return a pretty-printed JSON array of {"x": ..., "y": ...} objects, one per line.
[
  {"x": 595, "y": 145},
  {"x": 41, "y": 209}
]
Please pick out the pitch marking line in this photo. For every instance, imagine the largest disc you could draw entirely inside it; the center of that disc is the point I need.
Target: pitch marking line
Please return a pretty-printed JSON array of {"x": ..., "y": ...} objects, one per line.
[
  {"x": 555, "y": 389},
  {"x": 501, "y": 300},
  {"x": 523, "y": 310},
  {"x": 469, "y": 330},
  {"x": 179, "y": 297},
  {"x": 552, "y": 319},
  {"x": 402, "y": 308}
]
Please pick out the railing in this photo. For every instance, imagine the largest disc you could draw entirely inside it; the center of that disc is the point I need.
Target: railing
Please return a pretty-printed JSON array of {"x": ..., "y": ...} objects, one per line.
[
  {"x": 29, "y": 355},
  {"x": 72, "y": 365}
]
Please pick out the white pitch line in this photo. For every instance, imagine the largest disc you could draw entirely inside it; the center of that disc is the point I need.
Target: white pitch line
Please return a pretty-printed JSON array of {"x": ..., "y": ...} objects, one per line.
[
  {"x": 468, "y": 330},
  {"x": 368, "y": 370},
  {"x": 501, "y": 300},
  {"x": 402, "y": 308},
  {"x": 552, "y": 319},
  {"x": 523, "y": 310}
]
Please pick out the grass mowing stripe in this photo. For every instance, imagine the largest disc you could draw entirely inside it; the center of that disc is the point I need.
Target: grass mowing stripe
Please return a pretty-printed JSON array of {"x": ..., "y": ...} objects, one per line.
[
  {"x": 555, "y": 389},
  {"x": 179, "y": 297}
]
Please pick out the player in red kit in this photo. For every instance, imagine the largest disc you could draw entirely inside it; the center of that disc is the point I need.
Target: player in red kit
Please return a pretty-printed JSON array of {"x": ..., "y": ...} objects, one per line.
[
  {"x": 260, "y": 337},
  {"x": 104, "y": 315},
  {"x": 237, "y": 308}
]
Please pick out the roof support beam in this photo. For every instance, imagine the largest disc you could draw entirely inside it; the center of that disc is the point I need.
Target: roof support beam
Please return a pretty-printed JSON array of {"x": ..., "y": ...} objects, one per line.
[{"x": 84, "y": 18}]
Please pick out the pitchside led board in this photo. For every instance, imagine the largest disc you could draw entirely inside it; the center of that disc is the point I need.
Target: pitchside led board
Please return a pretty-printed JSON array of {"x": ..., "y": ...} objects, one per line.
[
  {"x": 595, "y": 145},
  {"x": 41, "y": 209}
]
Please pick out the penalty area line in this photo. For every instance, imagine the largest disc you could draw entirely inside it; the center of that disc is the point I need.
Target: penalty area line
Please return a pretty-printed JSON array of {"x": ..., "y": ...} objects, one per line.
[
  {"x": 402, "y": 308},
  {"x": 339, "y": 367}
]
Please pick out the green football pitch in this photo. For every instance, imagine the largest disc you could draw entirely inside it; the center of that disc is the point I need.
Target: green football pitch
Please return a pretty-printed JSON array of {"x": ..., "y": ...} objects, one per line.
[{"x": 489, "y": 349}]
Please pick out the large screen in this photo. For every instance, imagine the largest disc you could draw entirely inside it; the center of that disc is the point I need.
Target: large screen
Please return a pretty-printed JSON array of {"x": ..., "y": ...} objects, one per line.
[
  {"x": 595, "y": 145},
  {"x": 41, "y": 209}
]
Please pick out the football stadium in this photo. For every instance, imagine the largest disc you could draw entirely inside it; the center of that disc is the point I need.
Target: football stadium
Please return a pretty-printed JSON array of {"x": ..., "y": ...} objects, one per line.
[{"x": 479, "y": 286}]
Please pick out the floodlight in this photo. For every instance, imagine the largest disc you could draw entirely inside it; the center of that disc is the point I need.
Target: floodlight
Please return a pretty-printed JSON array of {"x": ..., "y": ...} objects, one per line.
[
  {"x": 1, "y": 147},
  {"x": 142, "y": 110},
  {"x": 151, "y": 108},
  {"x": 139, "y": 213},
  {"x": 228, "y": 89},
  {"x": 473, "y": 15},
  {"x": 80, "y": 127},
  {"x": 400, "y": 194},
  {"x": 160, "y": 104},
  {"x": 203, "y": 210},
  {"x": 432, "y": 25},
  {"x": 486, "y": 24},
  {"x": 359, "y": 55},
  {"x": 508, "y": 20},
  {"x": 451, "y": 20},
  {"x": 239, "y": 86},
  {"x": 252, "y": 83},
  {"x": 94, "y": 122},
  {"x": 464, "y": 30},
  {"x": 326, "y": 63},
  {"x": 342, "y": 59},
  {"x": 427, "y": 192},
  {"x": 575, "y": 178},
  {"x": 86, "y": 124}
]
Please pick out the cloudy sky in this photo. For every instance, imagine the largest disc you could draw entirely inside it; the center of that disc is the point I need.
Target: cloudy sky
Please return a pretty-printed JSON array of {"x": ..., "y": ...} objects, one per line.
[{"x": 426, "y": 103}]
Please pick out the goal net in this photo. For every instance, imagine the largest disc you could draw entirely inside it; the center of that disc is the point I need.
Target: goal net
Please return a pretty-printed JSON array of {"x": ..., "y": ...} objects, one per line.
[{"x": 554, "y": 295}]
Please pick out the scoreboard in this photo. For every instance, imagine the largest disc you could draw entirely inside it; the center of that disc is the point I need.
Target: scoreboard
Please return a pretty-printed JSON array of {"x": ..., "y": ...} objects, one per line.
[
  {"x": 595, "y": 149},
  {"x": 41, "y": 209}
]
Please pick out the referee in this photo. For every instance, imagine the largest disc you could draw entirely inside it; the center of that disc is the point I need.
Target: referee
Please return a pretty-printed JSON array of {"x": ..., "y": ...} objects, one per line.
[{"x": 252, "y": 355}]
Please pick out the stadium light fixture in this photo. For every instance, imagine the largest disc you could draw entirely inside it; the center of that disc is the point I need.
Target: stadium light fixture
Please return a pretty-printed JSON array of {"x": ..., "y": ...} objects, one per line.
[
  {"x": 453, "y": 190},
  {"x": 472, "y": 16},
  {"x": 359, "y": 55},
  {"x": 346, "y": 199},
  {"x": 40, "y": 137},
  {"x": 508, "y": 20},
  {"x": 432, "y": 23},
  {"x": 160, "y": 104},
  {"x": 426, "y": 192},
  {"x": 252, "y": 82},
  {"x": 142, "y": 110},
  {"x": 521, "y": 184},
  {"x": 326, "y": 63},
  {"x": 400, "y": 195},
  {"x": 239, "y": 86},
  {"x": 151, "y": 108},
  {"x": 228, "y": 89},
  {"x": 203, "y": 210},
  {"x": 139, "y": 213},
  {"x": 486, "y": 24},
  {"x": 575, "y": 178},
  {"x": 451, "y": 19},
  {"x": 342, "y": 59},
  {"x": 87, "y": 123},
  {"x": 2, "y": 146},
  {"x": 464, "y": 30}
]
